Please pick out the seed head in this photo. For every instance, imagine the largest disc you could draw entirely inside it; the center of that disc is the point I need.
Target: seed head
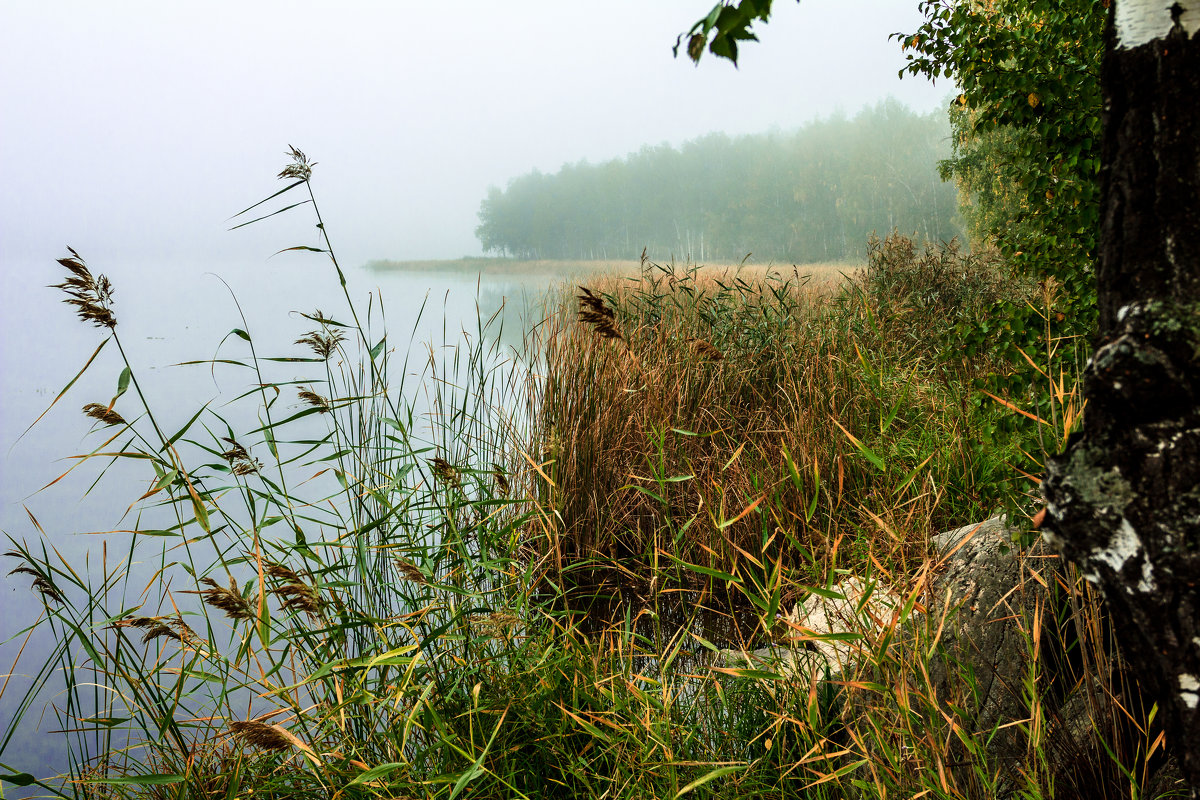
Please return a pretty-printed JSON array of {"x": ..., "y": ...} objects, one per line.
[
  {"x": 501, "y": 480},
  {"x": 593, "y": 311},
  {"x": 231, "y": 601},
  {"x": 262, "y": 735},
  {"x": 293, "y": 593},
  {"x": 103, "y": 413},
  {"x": 300, "y": 168},
  {"x": 315, "y": 400},
  {"x": 91, "y": 296},
  {"x": 240, "y": 461},
  {"x": 707, "y": 349},
  {"x": 156, "y": 627},
  {"x": 445, "y": 472},
  {"x": 410, "y": 571},
  {"x": 323, "y": 343}
]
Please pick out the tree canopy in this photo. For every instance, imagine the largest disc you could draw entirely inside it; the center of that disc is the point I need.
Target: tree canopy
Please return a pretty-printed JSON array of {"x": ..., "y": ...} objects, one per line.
[{"x": 813, "y": 194}]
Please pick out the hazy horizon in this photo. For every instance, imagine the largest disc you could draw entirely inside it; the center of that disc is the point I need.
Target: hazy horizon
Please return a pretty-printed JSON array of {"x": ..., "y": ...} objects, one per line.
[{"x": 134, "y": 131}]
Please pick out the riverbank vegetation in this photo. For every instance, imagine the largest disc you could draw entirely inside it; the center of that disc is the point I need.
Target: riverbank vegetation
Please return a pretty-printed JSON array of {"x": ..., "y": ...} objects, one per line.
[{"x": 499, "y": 577}]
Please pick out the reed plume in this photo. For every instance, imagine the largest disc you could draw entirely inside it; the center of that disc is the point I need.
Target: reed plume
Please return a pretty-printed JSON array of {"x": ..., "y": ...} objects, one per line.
[
  {"x": 501, "y": 480},
  {"x": 159, "y": 627},
  {"x": 40, "y": 582},
  {"x": 103, "y": 413},
  {"x": 315, "y": 400},
  {"x": 300, "y": 168},
  {"x": 445, "y": 472},
  {"x": 240, "y": 460},
  {"x": 231, "y": 600},
  {"x": 593, "y": 311},
  {"x": 294, "y": 594},
  {"x": 262, "y": 735},
  {"x": 707, "y": 349},
  {"x": 323, "y": 343},
  {"x": 91, "y": 296},
  {"x": 410, "y": 571}
]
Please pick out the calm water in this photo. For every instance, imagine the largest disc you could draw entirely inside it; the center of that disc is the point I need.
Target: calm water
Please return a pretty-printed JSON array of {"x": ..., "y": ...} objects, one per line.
[{"x": 167, "y": 315}]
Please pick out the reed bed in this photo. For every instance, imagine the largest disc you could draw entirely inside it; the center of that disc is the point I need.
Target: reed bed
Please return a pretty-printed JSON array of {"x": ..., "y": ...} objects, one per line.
[
  {"x": 385, "y": 590},
  {"x": 715, "y": 418}
]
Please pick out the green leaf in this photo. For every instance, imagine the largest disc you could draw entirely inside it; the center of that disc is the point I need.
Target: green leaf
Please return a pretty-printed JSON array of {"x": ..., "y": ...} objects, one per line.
[
  {"x": 642, "y": 489},
  {"x": 143, "y": 780},
  {"x": 64, "y": 390},
  {"x": 123, "y": 381},
  {"x": 712, "y": 573},
  {"x": 287, "y": 188},
  {"x": 829, "y": 594},
  {"x": 708, "y": 776},
  {"x": 476, "y": 769},
  {"x": 184, "y": 429},
  {"x": 200, "y": 512},
  {"x": 268, "y": 216},
  {"x": 300, "y": 247},
  {"x": 376, "y": 772},
  {"x": 836, "y": 637},
  {"x": 19, "y": 779}
]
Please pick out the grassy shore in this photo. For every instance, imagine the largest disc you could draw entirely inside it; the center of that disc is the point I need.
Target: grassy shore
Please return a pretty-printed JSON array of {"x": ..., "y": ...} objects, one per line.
[
  {"x": 818, "y": 274},
  {"x": 521, "y": 591}
]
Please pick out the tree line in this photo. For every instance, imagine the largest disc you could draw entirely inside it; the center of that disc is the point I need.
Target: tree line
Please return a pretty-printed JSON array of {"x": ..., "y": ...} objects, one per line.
[{"x": 808, "y": 195}]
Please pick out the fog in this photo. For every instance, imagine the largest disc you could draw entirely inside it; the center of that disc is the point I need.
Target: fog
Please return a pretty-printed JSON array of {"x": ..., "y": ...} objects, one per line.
[{"x": 133, "y": 130}]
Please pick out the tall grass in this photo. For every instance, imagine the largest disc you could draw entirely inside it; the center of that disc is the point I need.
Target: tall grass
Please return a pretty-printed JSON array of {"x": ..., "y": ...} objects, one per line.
[
  {"x": 719, "y": 421},
  {"x": 363, "y": 588}
]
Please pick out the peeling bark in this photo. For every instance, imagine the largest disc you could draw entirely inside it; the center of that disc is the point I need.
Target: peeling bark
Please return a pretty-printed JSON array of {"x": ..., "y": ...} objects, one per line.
[{"x": 1124, "y": 498}]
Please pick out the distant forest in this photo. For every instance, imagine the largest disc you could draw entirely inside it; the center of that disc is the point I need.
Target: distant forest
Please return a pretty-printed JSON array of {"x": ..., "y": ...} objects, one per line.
[{"x": 813, "y": 194}]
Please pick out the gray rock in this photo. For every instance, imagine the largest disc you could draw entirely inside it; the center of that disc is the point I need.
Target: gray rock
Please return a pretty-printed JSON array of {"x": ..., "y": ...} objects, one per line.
[
  {"x": 985, "y": 597},
  {"x": 987, "y": 600},
  {"x": 826, "y": 633},
  {"x": 993, "y": 599}
]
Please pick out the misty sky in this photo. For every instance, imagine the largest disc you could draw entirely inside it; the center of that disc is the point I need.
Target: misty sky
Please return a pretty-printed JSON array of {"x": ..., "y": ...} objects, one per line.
[{"x": 134, "y": 129}]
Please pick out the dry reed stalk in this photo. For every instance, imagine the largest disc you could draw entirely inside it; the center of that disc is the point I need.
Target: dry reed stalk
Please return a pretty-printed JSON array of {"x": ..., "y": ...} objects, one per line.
[{"x": 603, "y": 414}]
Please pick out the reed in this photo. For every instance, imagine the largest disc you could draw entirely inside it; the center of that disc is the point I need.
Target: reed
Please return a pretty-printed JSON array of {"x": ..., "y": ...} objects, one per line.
[{"x": 721, "y": 421}]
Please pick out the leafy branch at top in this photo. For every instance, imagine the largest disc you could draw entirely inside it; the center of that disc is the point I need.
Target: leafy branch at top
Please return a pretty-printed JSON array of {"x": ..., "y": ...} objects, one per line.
[{"x": 728, "y": 23}]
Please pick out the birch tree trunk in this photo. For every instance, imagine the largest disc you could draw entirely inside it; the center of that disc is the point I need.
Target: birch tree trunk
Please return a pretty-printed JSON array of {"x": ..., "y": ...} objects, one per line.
[{"x": 1124, "y": 499}]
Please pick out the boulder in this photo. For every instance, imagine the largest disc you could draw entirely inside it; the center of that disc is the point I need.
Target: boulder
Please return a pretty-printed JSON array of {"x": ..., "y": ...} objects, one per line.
[
  {"x": 826, "y": 633},
  {"x": 988, "y": 604},
  {"x": 991, "y": 600},
  {"x": 1008, "y": 633}
]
